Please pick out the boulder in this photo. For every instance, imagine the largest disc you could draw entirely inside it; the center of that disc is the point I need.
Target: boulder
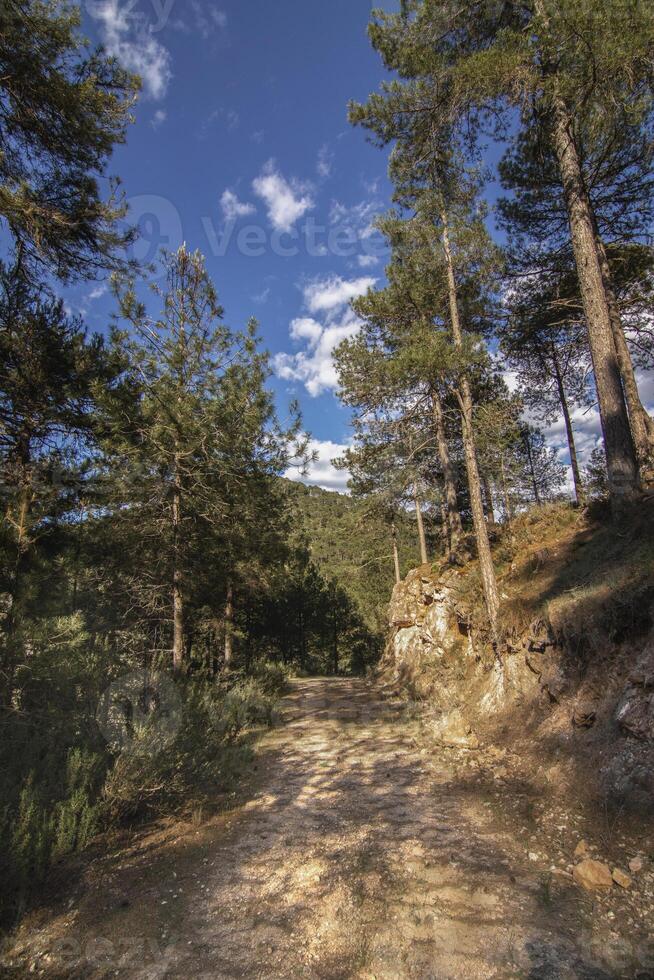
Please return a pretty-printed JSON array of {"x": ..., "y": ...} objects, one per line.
[
  {"x": 452, "y": 730},
  {"x": 593, "y": 875},
  {"x": 635, "y": 714}
]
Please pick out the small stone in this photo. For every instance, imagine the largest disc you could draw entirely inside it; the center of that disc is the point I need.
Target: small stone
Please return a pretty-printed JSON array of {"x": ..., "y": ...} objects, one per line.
[
  {"x": 593, "y": 875},
  {"x": 636, "y": 865},
  {"x": 581, "y": 850},
  {"x": 533, "y": 856},
  {"x": 620, "y": 878}
]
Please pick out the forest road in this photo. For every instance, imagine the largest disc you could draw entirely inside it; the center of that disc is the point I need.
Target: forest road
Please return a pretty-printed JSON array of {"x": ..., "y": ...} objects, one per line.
[{"x": 359, "y": 853}]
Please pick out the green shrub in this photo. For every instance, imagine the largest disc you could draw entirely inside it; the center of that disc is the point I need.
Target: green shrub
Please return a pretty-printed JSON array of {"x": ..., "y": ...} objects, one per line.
[
  {"x": 273, "y": 677},
  {"x": 205, "y": 758},
  {"x": 60, "y": 783},
  {"x": 56, "y": 811}
]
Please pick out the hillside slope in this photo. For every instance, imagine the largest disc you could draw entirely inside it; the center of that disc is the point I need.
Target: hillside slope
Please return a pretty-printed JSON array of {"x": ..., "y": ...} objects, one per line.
[
  {"x": 353, "y": 547},
  {"x": 569, "y": 685}
]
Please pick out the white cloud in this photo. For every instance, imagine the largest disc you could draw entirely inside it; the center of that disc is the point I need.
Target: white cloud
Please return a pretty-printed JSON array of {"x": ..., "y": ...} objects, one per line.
[
  {"x": 325, "y": 160},
  {"x": 357, "y": 225},
  {"x": 314, "y": 367},
  {"x": 230, "y": 117},
  {"x": 285, "y": 200},
  {"x": 98, "y": 291},
  {"x": 331, "y": 294},
  {"x": 233, "y": 208},
  {"x": 510, "y": 378},
  {"x": 128, "y": 37},
  {"x": 208, "y": 19},
  {"x": 158, "y": 118},
  {"x": 322, "y": 472},
  {"x": 305, "y": 328},
  {"x": 367, "y": 261},
  {"x": 357, "y": 219},
  {"x": 205, "y": 19},
  {"x": 263, "y": 296},
  {"x": 645, "y": 381}
]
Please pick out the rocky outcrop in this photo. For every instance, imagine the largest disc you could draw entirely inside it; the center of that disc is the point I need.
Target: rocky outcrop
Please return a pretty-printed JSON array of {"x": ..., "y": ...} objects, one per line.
[
  {"x": 594, "y": 711},
  {"x": 433, "y": 653},
  {"x": 635, "y": 714}
]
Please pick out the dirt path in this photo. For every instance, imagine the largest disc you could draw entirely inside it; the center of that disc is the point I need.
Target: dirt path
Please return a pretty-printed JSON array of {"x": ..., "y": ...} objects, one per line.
[{"x": 362, "y": 854}]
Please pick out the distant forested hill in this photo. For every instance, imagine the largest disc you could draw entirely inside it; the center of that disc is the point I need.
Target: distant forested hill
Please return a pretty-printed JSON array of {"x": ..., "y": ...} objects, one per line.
[{"x": 353, "y": 547}]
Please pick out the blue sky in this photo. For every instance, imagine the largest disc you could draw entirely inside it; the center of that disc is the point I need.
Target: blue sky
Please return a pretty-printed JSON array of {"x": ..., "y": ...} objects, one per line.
[{"x": 242, "y": 148}]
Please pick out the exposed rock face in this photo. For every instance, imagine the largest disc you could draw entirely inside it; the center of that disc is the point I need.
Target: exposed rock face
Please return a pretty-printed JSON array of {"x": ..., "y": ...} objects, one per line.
[
  {"x": 549, "y": 697},
  {"x": 635, "y": 714},
  {"x": 431, "y": 655},
  {"x": 412, "y": 598}
]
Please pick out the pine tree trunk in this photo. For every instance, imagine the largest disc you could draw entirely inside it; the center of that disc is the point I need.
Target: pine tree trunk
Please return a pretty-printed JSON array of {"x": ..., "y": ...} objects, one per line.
[
  {"x": 470, "y": 450},
  {"x": 396, "y": 554},
  {"x": 490, "y": 507},
  {"x": 572, "y": 449},
  {"x": 454, "y": 527},
  {"x": 532, "y": 471},
  {"x": 621, "y": 460},
  {"x": 229, "y": 624},
  {"x": 12, "y": 649},
  {"x": 424, "y": 559},
  {"x": 178, "y": 583},
  {"x": 508, "y": 506},
  {"x": 642, "y": 425}
]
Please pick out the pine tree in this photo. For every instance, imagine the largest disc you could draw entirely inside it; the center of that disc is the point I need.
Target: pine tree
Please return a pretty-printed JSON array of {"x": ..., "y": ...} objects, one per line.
[
  {"x": 544, "y": 343},
  {"x": 63, "y": 109},
  {"x": 50, "y": 373},
  {"x": 203, "y": 446},
  {"x": 463, "y": 65},
  {"x": 617, "y": 176}
]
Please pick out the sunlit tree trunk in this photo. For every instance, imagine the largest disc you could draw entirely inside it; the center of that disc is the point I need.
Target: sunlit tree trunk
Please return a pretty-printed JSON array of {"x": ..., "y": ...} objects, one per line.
[
  {"x": 17, "y": 517},
  {"x": 424, "y": 559},
  {"x": 454, "y": 528},
  {"x": 470, "y": 450},
  {"x": 572, "y": 448},
  {"x": 508, "y": 506},
  {"x": 621, "y": 460},
  {"x": 396, "y": 554},
  {"x": 642, "y": 425},
  {"x": 532, "y": 471},
  {"x": 490, "y": 504}
]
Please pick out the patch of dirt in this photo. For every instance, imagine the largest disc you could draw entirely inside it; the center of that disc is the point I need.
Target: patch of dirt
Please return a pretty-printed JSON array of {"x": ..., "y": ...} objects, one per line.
[{"x": 364, "y": 851}]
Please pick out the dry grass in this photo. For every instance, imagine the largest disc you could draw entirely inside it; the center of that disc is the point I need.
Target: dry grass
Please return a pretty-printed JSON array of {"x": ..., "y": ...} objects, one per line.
[{"x": 588, "y": 579}]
